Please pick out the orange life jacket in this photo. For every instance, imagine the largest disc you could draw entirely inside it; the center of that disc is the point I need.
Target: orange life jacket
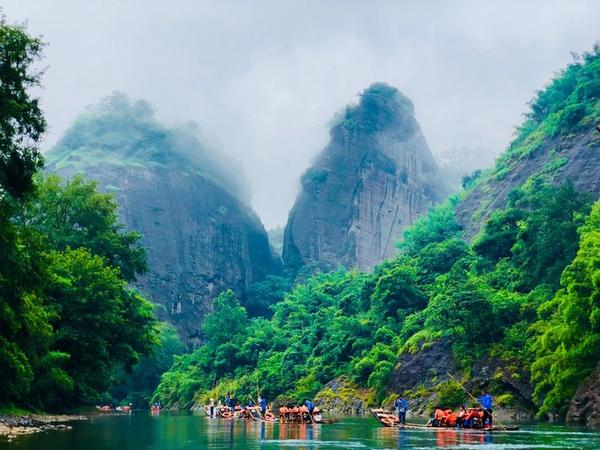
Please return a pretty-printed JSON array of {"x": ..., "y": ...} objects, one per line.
[
  {"x": 439, "y": 414},
  {"x": 451, "y": 419}
]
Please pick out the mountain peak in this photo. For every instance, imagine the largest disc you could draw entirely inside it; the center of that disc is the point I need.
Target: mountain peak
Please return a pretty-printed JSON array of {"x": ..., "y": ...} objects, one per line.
[{"x": 373, "y": 179}]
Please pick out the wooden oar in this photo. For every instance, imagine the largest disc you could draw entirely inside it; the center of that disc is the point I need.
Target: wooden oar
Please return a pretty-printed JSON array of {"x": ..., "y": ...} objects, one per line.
[
  {"x": 258, "y": 407},
  {"x": 470, "y": 395}
]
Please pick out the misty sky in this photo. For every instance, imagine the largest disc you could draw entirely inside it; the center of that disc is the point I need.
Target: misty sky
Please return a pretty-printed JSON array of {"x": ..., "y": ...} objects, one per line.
[{"x": 264, "y": 78}]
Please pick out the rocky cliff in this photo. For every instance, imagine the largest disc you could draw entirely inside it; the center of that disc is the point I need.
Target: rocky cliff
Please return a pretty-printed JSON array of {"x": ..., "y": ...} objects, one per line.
[
  {"x": 573, "y": 157},
  {"x": 373, "y": 179},
  {"x": 182, "y": 197},
  {"x": 585, "y": 405}
]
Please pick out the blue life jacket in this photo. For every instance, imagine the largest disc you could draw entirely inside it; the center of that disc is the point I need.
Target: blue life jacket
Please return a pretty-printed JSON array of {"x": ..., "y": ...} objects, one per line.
[
  {"x": 486, "y": 401},
  {"x": 402, "y": 405},
  {"x": 263, "y": 403},
  {"x": 310, "y": 405}
]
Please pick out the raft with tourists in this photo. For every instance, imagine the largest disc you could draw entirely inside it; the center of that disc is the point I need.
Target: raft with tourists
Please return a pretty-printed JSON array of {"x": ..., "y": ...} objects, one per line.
[
  {"x": 390, "y": 419},
  {"x": 306, "y": 413},
  {"x": 477, "y": 417}
]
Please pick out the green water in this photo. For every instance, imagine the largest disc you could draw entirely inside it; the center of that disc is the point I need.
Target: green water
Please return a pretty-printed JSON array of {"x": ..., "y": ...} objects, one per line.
[{"x": 186, "y": 431}]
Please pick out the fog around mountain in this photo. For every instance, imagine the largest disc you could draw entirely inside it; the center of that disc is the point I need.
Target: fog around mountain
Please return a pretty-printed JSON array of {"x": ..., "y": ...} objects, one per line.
[{"x": 264, "y": 78}]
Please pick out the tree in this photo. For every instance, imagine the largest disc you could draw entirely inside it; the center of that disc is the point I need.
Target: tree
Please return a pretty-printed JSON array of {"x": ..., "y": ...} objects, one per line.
[
  {"x": 396, "y": 293},
  {"x": 227, "y": 319},
  {"x": 263, "y": 294},
  {"x": 21, "y": 120},
  {"x": 547, "y": 240},
  {"x": 499, "y": 234},
  {"x": 99, "y": 322},
  {"x": 438, "y": 225},
  {"x": 24, "y": 323}
]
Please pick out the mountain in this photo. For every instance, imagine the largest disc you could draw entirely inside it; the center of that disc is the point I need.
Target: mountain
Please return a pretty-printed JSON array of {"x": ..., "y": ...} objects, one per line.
[
  {"x": 373, "y": 179},
  {"x": 181, "y": 195}
]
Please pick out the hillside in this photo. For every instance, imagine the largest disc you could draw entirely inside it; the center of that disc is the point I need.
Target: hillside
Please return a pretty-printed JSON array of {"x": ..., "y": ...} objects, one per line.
[
  {"x": 557, "y": 139},
  {"x": 513, "y": 311},
  {"x": 373, "y": 179},
  {"x": 181, "y": 195}
]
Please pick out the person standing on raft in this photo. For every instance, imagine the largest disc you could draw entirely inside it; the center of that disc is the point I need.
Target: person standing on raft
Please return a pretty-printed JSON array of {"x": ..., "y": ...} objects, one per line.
[
  {"x": 487, "y": 403},
  {"x": 401, "y": 405},
  {"x": 212, "y": 408},
  {"x": 262, "y": 402},
  {"x": 310, "y": 405}
]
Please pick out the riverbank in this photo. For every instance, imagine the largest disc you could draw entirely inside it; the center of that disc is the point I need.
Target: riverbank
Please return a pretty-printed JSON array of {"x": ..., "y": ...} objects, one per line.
[{"x": 12, "y": 426}]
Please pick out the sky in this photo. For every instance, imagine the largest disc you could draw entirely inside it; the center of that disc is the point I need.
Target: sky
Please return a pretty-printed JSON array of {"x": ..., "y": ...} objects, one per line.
[{"x": 264, "y": 78}]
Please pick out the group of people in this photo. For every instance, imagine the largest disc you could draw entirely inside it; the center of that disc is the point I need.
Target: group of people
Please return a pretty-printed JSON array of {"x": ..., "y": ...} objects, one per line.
[
  {"x": 120, "y": 408},
  {"x": 232, "y": 408},
  {"x": 479, "y": 416},
  {"x": 304, "y": 413}
]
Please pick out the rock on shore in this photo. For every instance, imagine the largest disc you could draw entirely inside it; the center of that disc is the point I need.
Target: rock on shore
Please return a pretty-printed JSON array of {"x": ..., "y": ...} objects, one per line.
[{"x": 13, "y": 426}]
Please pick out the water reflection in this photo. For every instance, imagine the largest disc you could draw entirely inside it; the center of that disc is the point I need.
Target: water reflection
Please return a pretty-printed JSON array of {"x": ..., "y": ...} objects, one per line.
[{"x": 405, "y": 438}]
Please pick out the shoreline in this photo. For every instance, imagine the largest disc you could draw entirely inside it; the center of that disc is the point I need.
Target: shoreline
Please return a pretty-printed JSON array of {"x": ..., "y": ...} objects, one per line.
[{"x": 12, "y": 426}]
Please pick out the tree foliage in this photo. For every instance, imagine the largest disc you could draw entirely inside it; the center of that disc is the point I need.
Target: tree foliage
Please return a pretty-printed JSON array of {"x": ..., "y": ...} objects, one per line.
[
  {"x": 568, "y": 344},
  {"x": 21, "y": 120}
]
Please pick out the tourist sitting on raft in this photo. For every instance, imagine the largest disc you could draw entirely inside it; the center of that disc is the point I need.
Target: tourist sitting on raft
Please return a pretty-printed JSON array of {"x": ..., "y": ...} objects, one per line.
[
  {"x": 305, "y": 413},
  {"x": 478, "y": 417},
  {"x": 474, "y": 417}
]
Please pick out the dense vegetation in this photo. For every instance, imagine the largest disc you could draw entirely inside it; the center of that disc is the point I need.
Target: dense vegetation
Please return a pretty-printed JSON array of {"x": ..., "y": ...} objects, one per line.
[
  {"x": 568, "y": 105},
  {"x": 510, "y": 295},
  {"x": 68, "y": 318}
]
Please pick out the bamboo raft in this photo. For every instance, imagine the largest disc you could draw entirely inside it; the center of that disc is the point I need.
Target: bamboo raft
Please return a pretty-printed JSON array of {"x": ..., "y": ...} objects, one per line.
[
  {"x": 388, "y": 419},
  {"x": 253, "y": 413}
]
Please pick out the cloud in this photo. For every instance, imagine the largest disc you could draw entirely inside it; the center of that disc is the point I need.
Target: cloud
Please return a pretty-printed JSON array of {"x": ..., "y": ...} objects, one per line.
[{"x": 265, "y": 77}]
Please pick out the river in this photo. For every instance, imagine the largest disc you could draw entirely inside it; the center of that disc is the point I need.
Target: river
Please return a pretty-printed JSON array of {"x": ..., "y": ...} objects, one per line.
[{"x": 193, "y": 431}]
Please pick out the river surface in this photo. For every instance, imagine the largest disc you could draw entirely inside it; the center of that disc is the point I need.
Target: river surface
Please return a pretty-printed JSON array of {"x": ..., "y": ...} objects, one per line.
[{"x": 192, "y": 431}]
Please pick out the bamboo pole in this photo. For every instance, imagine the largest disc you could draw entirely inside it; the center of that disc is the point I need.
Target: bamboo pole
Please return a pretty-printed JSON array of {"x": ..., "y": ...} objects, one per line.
[{"x": 470, "y": 395}]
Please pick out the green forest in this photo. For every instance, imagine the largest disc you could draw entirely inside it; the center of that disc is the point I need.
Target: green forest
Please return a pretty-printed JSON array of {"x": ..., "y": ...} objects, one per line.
[
  {"x": 524, "y": 292},
  {"x": 512, "y": 294}
]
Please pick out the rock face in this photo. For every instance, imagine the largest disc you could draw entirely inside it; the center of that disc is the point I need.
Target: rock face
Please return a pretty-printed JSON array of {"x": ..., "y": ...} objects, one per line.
[
  {"x": 200, "y": 237},
  {"x": 423, "y": 368},
  {"x": 373, "y": 179},
  {"x": 574, "y": 157},
  {"x": 585, "y": 405},
  {"x": 340, "y": 396}
]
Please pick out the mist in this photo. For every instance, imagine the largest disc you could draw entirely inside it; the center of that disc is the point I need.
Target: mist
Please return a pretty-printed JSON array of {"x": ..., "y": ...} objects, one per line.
[{"x": 264, "y": 78}]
